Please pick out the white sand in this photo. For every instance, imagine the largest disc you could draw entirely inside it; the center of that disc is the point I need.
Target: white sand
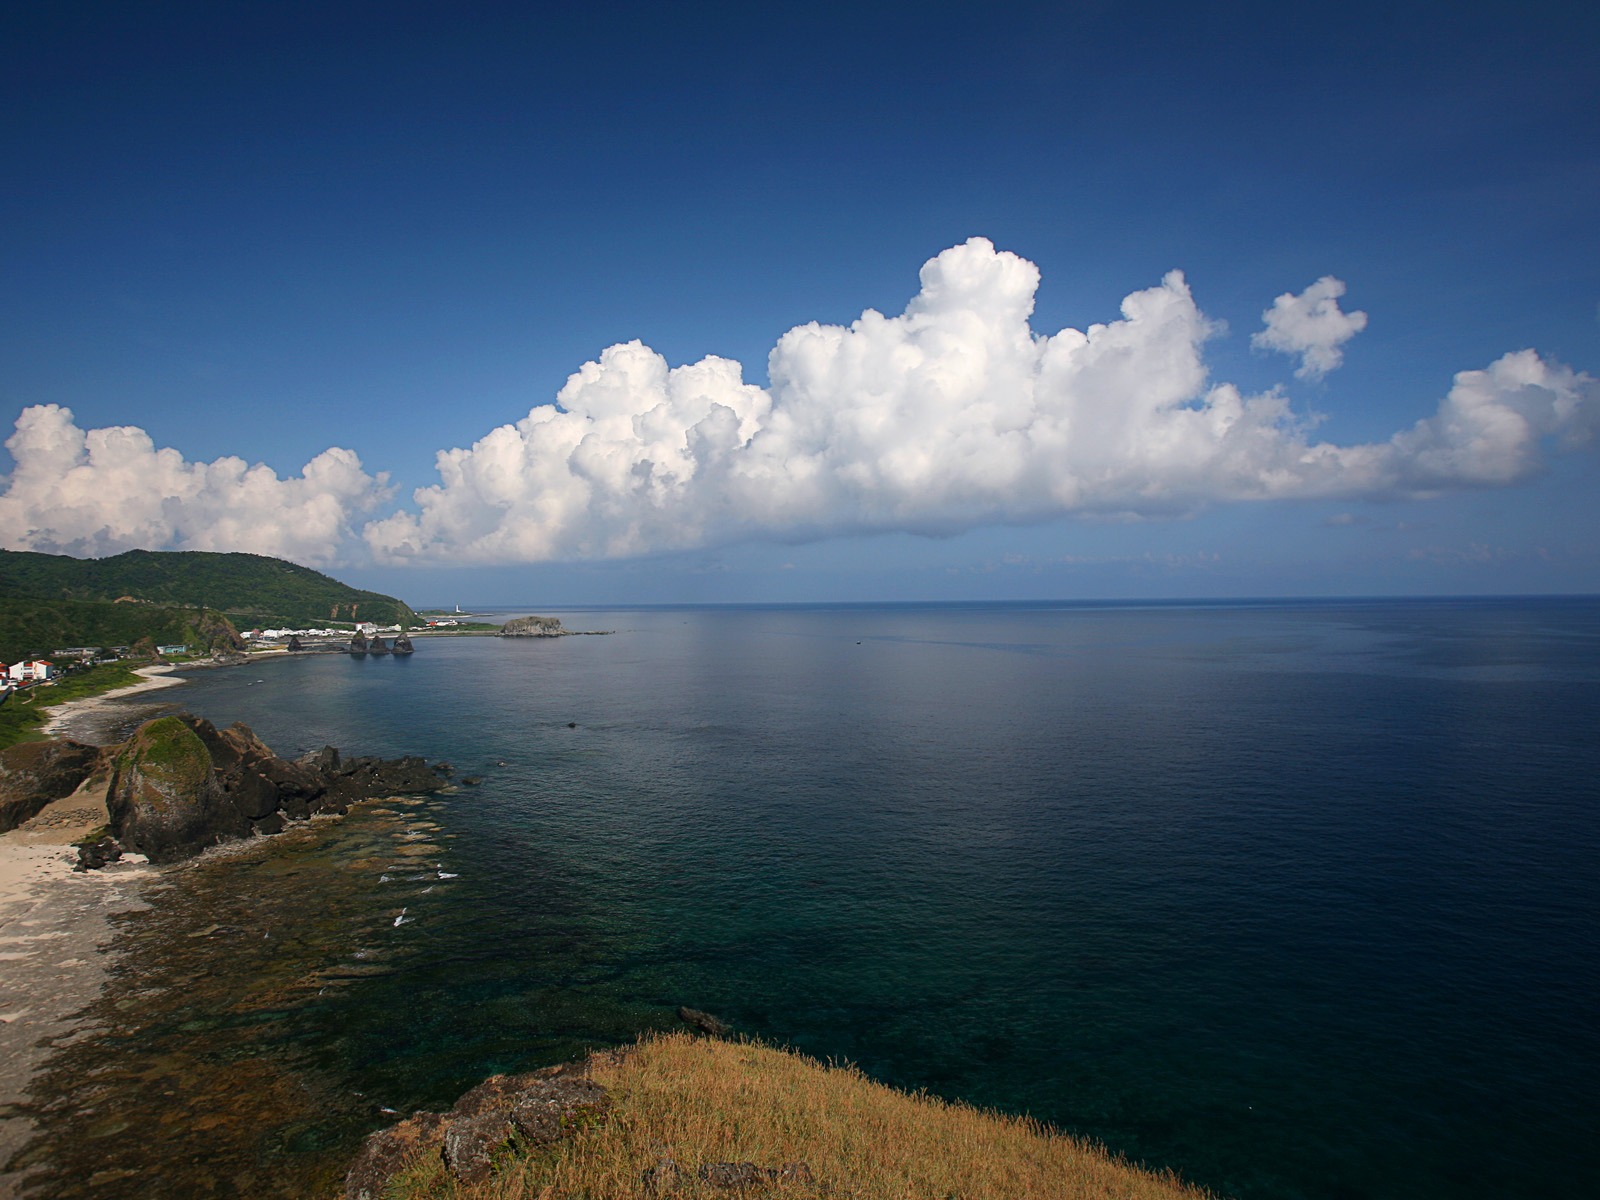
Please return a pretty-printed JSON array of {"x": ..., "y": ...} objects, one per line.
[
  {"x": 54, "y": 930},
  {"x": 89, "y": 719}
]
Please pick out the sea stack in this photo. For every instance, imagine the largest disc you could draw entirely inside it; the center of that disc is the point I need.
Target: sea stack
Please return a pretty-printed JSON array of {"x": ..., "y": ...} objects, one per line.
[
  {"x": 402, "y": 645},
  {"x": 377, "y": 646},
  {"x": 358, "y": 644}
]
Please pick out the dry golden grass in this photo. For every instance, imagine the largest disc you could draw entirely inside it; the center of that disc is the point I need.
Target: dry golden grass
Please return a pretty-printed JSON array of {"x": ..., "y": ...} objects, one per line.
[{"x": 700, "y": 1101}]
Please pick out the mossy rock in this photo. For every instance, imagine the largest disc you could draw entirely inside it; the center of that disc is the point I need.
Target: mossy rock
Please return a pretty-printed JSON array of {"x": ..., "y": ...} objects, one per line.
[{"x": 165, "y": 801}]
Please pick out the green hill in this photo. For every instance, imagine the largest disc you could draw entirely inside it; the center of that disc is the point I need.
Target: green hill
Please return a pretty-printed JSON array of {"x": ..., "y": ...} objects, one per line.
[{"x": 50, "y": 600}]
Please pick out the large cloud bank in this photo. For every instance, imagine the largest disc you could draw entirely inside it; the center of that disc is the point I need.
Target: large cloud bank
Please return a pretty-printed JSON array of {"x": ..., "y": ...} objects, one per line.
[
  {"x": 952, "y": 415},
  {"x": 103, "y": 491}
]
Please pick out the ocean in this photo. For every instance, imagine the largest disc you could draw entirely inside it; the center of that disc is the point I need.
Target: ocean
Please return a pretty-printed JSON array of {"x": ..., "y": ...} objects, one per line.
[{"x": 1298, "y": 899}]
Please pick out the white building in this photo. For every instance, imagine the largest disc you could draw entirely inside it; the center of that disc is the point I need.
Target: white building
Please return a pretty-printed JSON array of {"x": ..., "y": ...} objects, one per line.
[{"x": 31, "y": 671}]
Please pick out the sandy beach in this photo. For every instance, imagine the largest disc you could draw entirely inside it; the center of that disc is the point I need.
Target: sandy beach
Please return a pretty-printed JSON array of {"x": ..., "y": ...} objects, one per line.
[
  {"x": 55, "y": 923},
  {"x": 97, "y": 719},
  {"x": 55, "y": 930}
]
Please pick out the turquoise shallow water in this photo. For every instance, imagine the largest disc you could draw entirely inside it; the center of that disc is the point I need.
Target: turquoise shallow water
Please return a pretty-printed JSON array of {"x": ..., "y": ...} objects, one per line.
[{"x": 1298, "y": 899}]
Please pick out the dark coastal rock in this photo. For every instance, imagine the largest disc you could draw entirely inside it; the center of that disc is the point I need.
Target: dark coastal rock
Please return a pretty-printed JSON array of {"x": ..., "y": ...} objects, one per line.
[
  {"x": 323, "y": 762},
  {"x": 377, "y": 646},
  {"x": 32, "y": 774},
  {"x": 704, "y": 1022},
  {"x": 472, "y": 780},
  {"x": 548, "y": 1110},
  {"x": 402, "y": 645},
  {"x": 540, "y": 1108},
  {"x": 97, "y": 852},
  {"x": 384, "y": 1153},
  {"x": 358, "y": 644},
  {"x": 165, "y": 800},
  {"x": 532, "y": 627},
  {"x": 470, "y": 1144},
  {"x": 180, "y": 785}
]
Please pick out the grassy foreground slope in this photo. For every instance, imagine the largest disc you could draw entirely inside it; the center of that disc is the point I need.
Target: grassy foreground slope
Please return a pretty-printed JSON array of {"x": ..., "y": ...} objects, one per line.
[
  {"x": 700, "y": 1101},
  {"x": 251, "y": 589}
]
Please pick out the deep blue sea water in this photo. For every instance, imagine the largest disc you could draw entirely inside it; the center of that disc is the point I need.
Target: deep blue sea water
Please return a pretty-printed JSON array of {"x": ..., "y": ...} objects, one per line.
[{"x": 1299, "y": 899}]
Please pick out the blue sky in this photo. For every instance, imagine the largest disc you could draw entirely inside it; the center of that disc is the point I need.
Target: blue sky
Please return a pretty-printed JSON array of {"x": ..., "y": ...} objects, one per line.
[{"x": 261, "y": 231}]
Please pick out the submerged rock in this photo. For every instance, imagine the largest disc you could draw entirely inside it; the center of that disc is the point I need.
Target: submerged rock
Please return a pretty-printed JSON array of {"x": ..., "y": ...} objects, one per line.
[{"x": 704, "y": 1022}]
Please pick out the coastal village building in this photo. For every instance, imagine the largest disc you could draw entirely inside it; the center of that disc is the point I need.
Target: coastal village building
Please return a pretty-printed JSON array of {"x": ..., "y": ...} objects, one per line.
[{"x": 31, "y": 671}]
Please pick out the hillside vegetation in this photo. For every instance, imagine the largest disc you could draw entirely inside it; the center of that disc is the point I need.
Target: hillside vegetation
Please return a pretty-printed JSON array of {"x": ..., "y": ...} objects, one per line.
[
  {"x": 683, "y": 1103},
  {"x": 250, "y": 589},
  {"x": 23, "y": 714},
  {"x": 39, "y": 627}
]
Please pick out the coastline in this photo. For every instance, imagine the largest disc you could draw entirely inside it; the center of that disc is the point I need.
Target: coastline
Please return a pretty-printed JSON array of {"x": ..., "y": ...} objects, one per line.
[
  {"x": 88, "y": 719},
  {"x": 56, "y": 946},
  {"x": 56, "y": 936}
]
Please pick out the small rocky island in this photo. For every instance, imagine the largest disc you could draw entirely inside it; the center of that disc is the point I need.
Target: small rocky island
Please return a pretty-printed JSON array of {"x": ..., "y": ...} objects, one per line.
[
  {"x": 180, "y": 784},
  {"x": 542, "y": 627},
  {"x": 533, "y": 627}
]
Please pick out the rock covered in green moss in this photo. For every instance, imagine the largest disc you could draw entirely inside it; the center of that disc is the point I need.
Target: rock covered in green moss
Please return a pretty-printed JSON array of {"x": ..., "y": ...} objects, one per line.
[
  {"x": 165, "y": 800},
  {"x": 180, "y": 784}
]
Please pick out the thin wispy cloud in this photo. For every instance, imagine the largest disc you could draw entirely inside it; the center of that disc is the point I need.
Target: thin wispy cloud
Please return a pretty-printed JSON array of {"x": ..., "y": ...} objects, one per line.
[{"x": 952, "y": 415}]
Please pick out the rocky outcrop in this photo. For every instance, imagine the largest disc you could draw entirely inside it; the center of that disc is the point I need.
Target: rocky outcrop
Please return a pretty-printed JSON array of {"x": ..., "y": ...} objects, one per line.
[
  {"x": 180, "y": 784},
  {"x": 402, "y": 645},
  {"x": 32, "y": 774},
  {"x": 704, "y": 1022},
  {"x": 377, "y": 646},
  {"x": 165, "y": 800},
  {"x": 358, "y": 644},
  {"x": 537, "y": 1109},
  {"x": 533, "y": 627}
]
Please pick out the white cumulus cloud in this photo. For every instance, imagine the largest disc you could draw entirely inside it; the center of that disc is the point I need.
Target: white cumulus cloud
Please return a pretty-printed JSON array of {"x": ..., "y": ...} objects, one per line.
[
  {"x": 1312, "y": 326},
  {"x": 102, "y": 491},
  {"x": 954, "y": 414}
]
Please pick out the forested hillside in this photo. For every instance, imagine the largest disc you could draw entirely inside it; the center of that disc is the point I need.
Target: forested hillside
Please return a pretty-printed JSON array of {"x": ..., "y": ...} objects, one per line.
[{"x": 250, "y": 588}]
